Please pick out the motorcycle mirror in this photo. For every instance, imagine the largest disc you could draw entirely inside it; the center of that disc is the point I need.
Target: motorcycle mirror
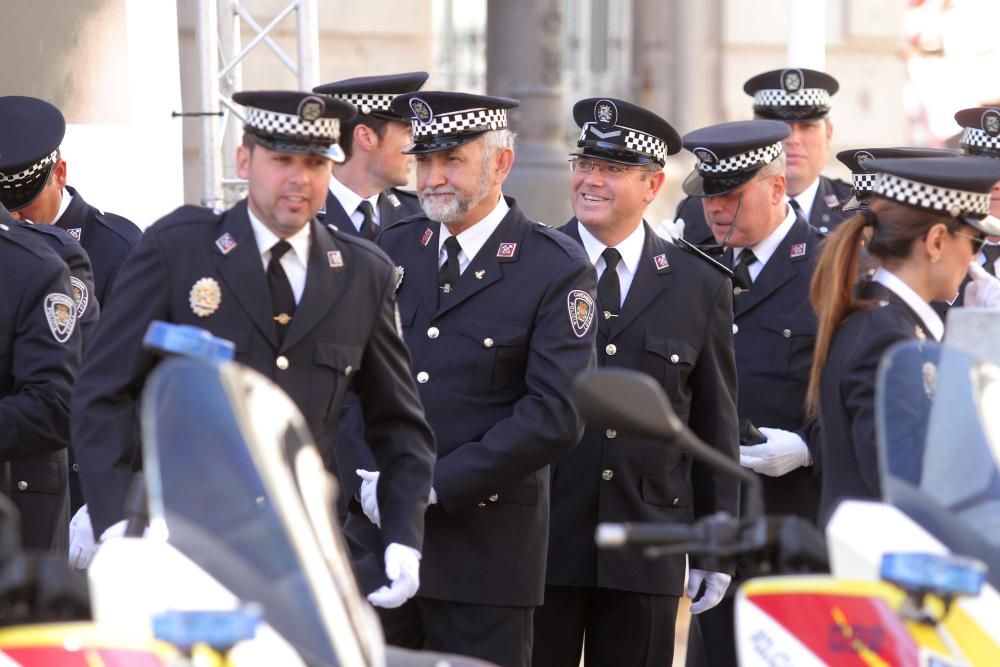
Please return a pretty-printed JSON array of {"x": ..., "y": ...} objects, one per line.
[{"x": 636, "y": 403}]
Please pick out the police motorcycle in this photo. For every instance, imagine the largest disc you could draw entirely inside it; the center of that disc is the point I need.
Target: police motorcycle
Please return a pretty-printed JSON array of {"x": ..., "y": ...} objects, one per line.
[
  {"x": 242, "y": 562},
  {"x": 913, "y": 578}
]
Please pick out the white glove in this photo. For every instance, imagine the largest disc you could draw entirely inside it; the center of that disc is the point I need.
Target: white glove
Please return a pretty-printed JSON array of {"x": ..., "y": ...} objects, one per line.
[
  {"x": 432, "y": 498},
  {"x": 81, "y": 539},
  {"x": 369, "y": 495},
  {"x": 402, "y": 566},
  {"x": 984, "y": 290},
  {"x": 783, "y": 452},
  {"x": 670, "y": 229},
  {"x": 716, "y": 584}
]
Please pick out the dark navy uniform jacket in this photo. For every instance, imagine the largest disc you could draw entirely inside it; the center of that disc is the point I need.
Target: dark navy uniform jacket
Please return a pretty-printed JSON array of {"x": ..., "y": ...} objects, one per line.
[
  {"x": 393, "y": 205},
  {"x": 675, "y": 325},
  {"x": 343, "y": 334},
  {"x": 495, "y": 368},
  {"x": 823, "y": 216},
  {"x": 106, "y": 237},
  {"x": 847, "y": 394},
  {"x": 775, "y": 336},
  {"x": 39, "y": 354}
]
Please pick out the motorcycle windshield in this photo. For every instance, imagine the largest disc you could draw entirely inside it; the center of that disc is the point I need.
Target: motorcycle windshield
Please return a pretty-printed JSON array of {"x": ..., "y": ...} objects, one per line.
[
  {"x": 233, "y": 477},
  {"x": 938, "y": 434}
]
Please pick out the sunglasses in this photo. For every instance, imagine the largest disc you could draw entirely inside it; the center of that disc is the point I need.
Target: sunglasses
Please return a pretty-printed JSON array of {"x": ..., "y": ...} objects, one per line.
[{"x": 978, "y": 241}]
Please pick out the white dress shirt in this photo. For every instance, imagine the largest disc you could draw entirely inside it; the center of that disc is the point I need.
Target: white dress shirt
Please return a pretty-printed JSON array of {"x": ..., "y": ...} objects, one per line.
[
  {"x": 630, "y": 249},
  {"x": 763, "y": 250},
  {"x": 294, "y": 262},
  {"x": 350, "y": 200},
  {"x": 473, "y": 238},
  {"x": 806, "y": 198}
]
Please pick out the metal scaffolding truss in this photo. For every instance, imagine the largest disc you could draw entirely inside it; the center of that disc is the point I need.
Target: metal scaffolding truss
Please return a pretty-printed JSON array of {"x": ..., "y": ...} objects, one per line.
[{"x": 218, "y": 27}]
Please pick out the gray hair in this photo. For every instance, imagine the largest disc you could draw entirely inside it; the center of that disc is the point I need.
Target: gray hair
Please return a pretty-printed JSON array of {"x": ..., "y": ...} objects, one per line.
[
  {"x": 494, "y": 140},
  {"x": 775, "y": 167}
]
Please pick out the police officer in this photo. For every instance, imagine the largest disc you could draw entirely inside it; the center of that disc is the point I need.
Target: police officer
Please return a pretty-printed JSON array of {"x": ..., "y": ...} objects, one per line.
[
  {"x": 739, "y": 179},
  {"x": 35, "y": 190},
  {"x": 619, "y": 605},
  {"x": 39, "y": 354},
  {"x": 365, "y": 194},
  {"x": 800, "y": 98},
  {"x": 311, "y": 308},
  {"x": 498, "y": 313}
]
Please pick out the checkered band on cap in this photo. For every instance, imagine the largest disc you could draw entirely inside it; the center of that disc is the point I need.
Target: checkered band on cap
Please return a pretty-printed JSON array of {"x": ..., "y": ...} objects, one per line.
[
  {"x": 368, "y": 102},
  {"x": 976, "y": 138},
  {"x": 284, "y": 125},
  {"x": 21, "y": 178},
  {"x": 636, "y": 141},
  {"x": 741, "y": 162},
  {"x": 947, "y": 200},
  {"x": 779, "y": 97},
  {"x": 863, "y": 182},
  {"x": 459, "y": 122}
]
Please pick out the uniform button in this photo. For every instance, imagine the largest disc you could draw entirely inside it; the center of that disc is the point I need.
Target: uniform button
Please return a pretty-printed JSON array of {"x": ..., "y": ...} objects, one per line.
[
  {"x": 787, "y": 333},
  {"x": 611, "y": 434},
  {"x": 607, "y": 475},
  {"x": 675, "y": 501},
  {"x": 348, "y": 371},
  {"x": 674, "y": 358},
  {"x": 487, "y": 342},
  {"x": 611, "y": 349},
  {"x": 281, "y": 362},
  {"x": 735, "y": 329},
  {"x": 495, "y": 497},
  {"x": 737, "y": 291},
  {"x": 76, "y": 467},
  {"x": 433, "y": 332},
  {"x": 423, "y": 377},
  {"x": 481, "y": 504},
  {"x": 22, "y": 485},
  {"x": 824, "y": 229}
]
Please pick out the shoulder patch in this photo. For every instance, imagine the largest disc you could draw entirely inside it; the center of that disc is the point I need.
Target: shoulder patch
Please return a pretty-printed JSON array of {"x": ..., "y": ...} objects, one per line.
[
  {"x": 697, "y": 252},
  {"x": 60, "y": 313}
]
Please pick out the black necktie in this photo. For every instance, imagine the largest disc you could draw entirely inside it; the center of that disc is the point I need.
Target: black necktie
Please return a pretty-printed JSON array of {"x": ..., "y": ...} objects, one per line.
[
  {"x": 797, "y": 208},
  {"x": 991, "y": 252},
  {"x": 609, "y": 291},
  {"x": 282, "y": 297},
  {"x": 369, "y": 229},
  {"x": 448, "y": 272},
  {"x": 741, "y": 272}
]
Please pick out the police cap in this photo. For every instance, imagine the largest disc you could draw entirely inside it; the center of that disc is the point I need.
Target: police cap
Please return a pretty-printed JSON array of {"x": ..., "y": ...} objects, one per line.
[
  {"x": 444, "y": 120},
  {"x": 619, "y": 131},
  {"x": 30, "y": 133},
  {"x": 373, "y": 95},
  {"x": 730, "y": 154},
  {"x": 295, "y": 122}
]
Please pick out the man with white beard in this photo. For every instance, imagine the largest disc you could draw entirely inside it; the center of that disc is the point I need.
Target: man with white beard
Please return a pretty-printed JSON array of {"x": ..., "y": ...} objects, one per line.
[{"x": 498, "y": 313}]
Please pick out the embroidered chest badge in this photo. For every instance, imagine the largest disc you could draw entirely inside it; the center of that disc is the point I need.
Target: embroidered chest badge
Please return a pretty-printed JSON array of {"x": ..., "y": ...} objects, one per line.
[{"x": 205, "y": 297}]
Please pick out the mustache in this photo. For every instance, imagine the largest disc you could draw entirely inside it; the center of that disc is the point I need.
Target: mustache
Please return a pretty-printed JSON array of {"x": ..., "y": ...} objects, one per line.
[{"x": 437, "y": 191}]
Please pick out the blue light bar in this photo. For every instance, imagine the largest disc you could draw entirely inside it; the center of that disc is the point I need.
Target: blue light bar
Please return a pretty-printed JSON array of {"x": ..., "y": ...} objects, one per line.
[
  {"x": 218, "y": 629},
  {"x": 946, "y": 576},
  {"x": 188, "y": 341}
]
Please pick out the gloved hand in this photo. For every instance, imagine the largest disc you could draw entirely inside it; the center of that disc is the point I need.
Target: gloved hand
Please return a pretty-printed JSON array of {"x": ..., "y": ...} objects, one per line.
[
  {"x": 984, "y": 290},
  {"x": 783, "y": 452},
  {"x": 369, "y": 496},
  {"x": 671, "y": 229},
  {"x": 716, "y": 584},
  {"x": 402, "y": 566},
  {"x": 81, "y": 539}
]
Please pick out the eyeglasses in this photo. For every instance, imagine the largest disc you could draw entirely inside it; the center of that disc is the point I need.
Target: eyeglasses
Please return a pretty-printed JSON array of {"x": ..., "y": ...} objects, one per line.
[
  {"x": 978, "y": 241},
  {"x": 609, "y": 169}
]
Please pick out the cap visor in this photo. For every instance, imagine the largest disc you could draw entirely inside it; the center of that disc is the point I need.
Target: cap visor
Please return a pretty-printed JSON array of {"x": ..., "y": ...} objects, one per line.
[
  {"x": 791, "y": 114},
  {"x": 988, "y": 224},
  {"x": 443, "y": 143},
  {"x": 17, "y": 197},
  {"x": 854, "y": 204},
  {"x": 619, "y": 157}
]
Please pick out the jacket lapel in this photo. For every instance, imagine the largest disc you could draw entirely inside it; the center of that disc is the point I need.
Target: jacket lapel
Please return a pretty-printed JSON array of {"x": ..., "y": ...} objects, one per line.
[
  {"x": 326, "y": 280},
  {"x": 242, "y": 269},
  {"x": 879, "y": 292},
  {"x": 779, "y": 269},
  {"x": 334, "y": 214},
  {"x": 651, "y": 278},
  {"x": 75, "y": 216}
]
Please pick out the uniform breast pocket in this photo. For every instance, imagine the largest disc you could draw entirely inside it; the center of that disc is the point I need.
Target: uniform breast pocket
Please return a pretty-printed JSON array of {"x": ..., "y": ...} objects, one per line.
[
  {"x": 497, "y": 354},
  {"x": 330, "y": 377},
  {"x": 670, "y": 361},
  {"x": 669, "y": 490},
  {"x": 791, "y": 341}
]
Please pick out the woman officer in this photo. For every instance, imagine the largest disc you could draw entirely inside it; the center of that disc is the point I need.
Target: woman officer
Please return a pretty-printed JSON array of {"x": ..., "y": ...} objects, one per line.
[{"x": 928, "y": 219}]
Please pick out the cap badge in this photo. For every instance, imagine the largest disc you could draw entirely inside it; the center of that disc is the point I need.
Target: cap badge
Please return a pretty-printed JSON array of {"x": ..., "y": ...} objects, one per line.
[
  {"x": 661, "y": 262},
  {"x": 861, "y": 157},
  {"x": 706, "y": 156},
  {"x": 506, "y": 249},
  {"x": 75, "y": 232},
  {"x": 335, "y": 258},
  {"x": 991, "y": 122},
  {"x": 60, "y": 313},
  {"x": 205, "y": 297},
  {"x": 311, "y": 108},
  {"x": 421, "y": 110},
  {"x": 81, "y": 297},
  {"x": 605, "y": 112},
  {"x": 791, "y": 80},
  {"x": 798, "y": 250},
  {"x": 426, "y": 238},
  {"x": 581, "y": 311},
  {"x": 225, "y": 243}
]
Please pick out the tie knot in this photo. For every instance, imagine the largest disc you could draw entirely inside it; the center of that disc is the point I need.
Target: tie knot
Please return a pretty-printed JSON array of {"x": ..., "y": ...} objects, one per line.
[
  {"x": 611, "y": 258},
  {"x": 747, "y": 257},
  {"x": 279, "y": 249},
  {"x": 365, "y": 207},
  {"x": 795, "y": 205},
  {"x": 452, "y": 246}
]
